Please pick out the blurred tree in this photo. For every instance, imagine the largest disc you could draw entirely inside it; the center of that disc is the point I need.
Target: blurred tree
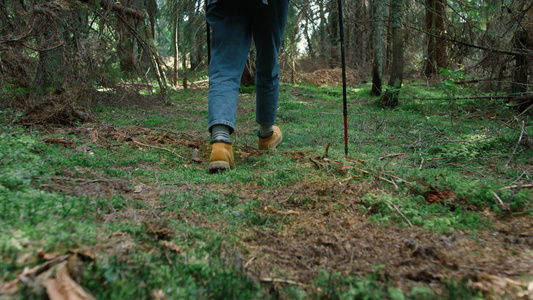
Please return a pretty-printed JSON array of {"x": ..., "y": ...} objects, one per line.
[
  {"x": 391, "y": 95},
  {"x": 436, "y": 54},
  {"x": 377, "y": 69}
]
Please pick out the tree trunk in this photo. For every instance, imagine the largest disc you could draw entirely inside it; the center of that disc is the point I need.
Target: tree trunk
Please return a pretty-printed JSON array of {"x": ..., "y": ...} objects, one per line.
[
  {"x": 194, "y": 33},
  {"x": 52, "y": 67},
  {"x": 184, "y": 58},
  {"x": 333, "y": 33},
  {"x": 436, "y": 43},
  {"x": 377, "y": 66},
  {"x": 362, "y": 29},
  {"x": 126, "y": 48},
  {"x": 390, "y": 97},
  {"x": 151, "y": 8},
  {"x": 519, "y": 85},
  {"x": 323, "y": 52},
  {"x": 175, "y": 49},
  {"x": 310, "y": 48}
]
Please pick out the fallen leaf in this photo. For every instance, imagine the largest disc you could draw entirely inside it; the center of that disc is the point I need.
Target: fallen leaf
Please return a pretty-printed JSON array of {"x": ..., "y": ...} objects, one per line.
[
  {"x": 158, "y": 294},
  {"x": 62, "y": 287},
  {"x": 435, "y": 195},
  {"x": 171, "y": 246},
  {"x": 244, "y": 154},
  {"x": 139, "y": 188},
  {"x": 9, "y": 288},
  {"x": 27, "y": 272},
  {"x": 23, "y": 259},
  {"x": 269, "y": 209},
  {"x": 75, "y": 268},
  {"x": 95, "y": 136},
  {"x": 343, "y": 169},
  {"x": 84, "y": 255},
  {"x": 50, "y": 256},
  {"x": 58, "y": 141}
]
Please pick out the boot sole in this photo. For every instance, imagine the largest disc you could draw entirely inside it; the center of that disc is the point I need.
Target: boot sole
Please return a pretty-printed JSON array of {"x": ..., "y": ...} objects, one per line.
[{"x": 216, "y": 166}]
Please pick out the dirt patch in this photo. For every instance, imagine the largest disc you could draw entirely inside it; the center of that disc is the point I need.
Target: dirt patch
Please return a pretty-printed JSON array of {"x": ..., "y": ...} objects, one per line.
[
  {"x": 330, "y": 76},
  {"x": 327, "y": 230}
]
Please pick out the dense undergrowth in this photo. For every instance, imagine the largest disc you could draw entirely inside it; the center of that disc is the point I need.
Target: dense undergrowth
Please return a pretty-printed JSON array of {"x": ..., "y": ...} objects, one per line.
[{"x": 129, "y": 200}]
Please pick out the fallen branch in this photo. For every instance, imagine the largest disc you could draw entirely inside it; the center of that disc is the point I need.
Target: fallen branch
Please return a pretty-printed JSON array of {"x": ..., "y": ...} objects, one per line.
[
  {"x": 156, "y": 147},
  {"x": 379, "y": 177},
  {"x": 401, "y": 214},
  {"x": 17, "y": 38},
  {"x": 80, "y": 179},
  {"x": 317, "y": 165},
  {"x": 496, "y": 50},
  {"x": 281, "y": 280},
  {"x": 522, "y": 186},
  {"x": 391, "y": 155},
  {"x": 399, "y": 178},
  {"x": 111, "y": 5},
  {"x": 517, "y": 144},
  {"x": 525, "y": 110},
  {"x": 60, "y": 44},
  {"x": 503, "y": 206}
]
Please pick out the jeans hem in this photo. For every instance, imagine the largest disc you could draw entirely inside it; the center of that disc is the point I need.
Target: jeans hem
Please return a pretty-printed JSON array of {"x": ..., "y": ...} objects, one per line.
[
  {"x": 221, "y": 122},
  {"x": 265, "y": 123}
]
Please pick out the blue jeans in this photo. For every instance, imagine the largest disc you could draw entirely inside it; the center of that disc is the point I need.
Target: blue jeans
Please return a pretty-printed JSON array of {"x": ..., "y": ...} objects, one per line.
[{"x": 234, "y": 22}]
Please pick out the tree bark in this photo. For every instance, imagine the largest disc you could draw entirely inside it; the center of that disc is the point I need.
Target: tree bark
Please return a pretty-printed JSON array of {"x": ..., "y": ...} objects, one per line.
[
  {"x": 183, "y": 58},
  {"x": 194, "y": 30},
  {"x": 436, "y": 43},
  {"x": 377, "y": 66},
  {"x": 521, "y": 67},
  {"x": 175, "y": 49},
  {"x": 333, "y": 33},
  {"x": 322, "y": 30},
  {"x": 523, "y": 42},
  {"x": 390, "y": 97}
]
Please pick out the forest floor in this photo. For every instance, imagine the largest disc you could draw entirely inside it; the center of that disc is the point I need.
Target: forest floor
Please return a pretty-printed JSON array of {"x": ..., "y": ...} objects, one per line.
[{"x": 434, "y": 200}]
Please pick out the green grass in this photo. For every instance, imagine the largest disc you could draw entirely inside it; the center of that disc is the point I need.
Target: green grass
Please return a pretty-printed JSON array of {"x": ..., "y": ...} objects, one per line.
[{"x": 55, "y": 199}]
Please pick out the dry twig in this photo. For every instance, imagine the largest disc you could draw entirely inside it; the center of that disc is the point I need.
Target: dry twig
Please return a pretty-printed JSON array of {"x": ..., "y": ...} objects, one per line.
[
  {"x": 156, "y": 147},
  {"x": 391, "y": 155},
  {"x": 517, "y": 144},
  {"x": 401, "y": 214},
  {"x": 379, "y": 177},
  {"x": 281, "y": 280},
  {"x": 522, "y": 186},
  {"x": 503, "y": 206}
]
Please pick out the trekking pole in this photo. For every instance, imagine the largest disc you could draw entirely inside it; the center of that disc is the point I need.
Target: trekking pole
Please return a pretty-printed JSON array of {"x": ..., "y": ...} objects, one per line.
[{"x": 343, "y": 60}]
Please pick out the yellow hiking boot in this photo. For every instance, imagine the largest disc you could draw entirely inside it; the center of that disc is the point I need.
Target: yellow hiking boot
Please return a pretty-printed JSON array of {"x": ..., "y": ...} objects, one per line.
[
  {"x": 221, "y": 157},
  {"x": 271, "y": 142}
]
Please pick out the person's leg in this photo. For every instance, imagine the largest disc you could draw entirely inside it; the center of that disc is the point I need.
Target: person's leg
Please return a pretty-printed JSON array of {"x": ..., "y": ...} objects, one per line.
[
  {"x": 268, "y": 26},
  {"x": 231, "y": 38},
  {"x": 230, "y": 44}
]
